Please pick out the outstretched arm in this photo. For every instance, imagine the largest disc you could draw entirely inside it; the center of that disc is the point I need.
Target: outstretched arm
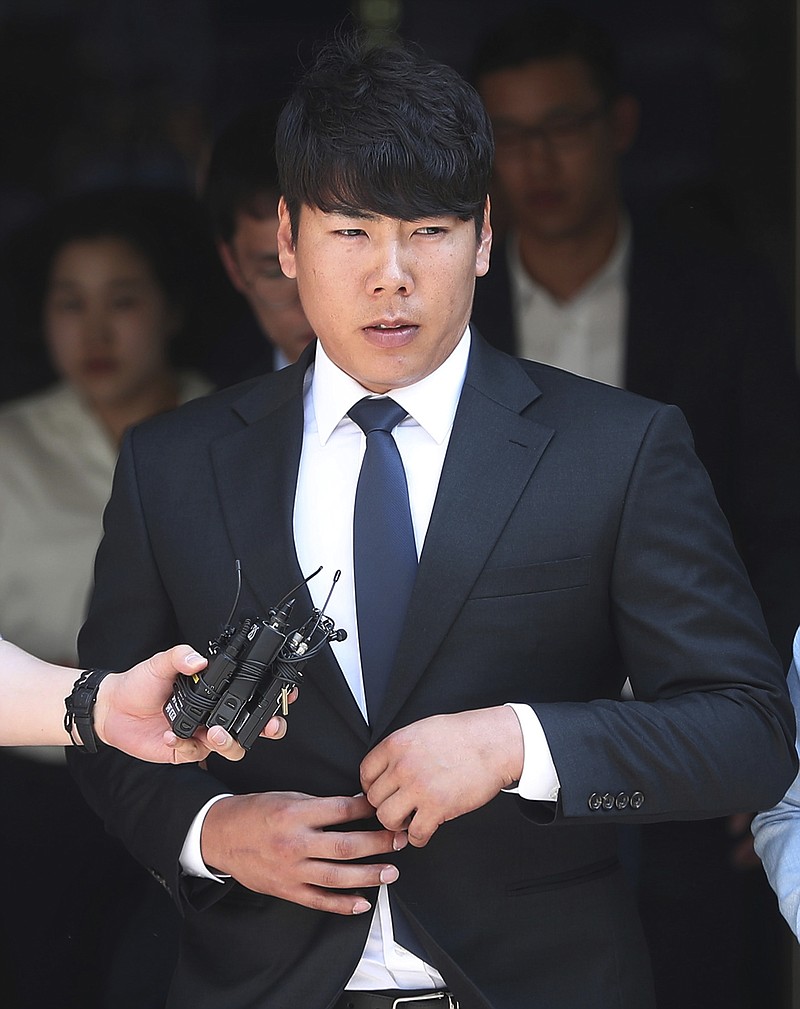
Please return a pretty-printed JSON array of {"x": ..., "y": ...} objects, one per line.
[{"x": 128, "y": 713}]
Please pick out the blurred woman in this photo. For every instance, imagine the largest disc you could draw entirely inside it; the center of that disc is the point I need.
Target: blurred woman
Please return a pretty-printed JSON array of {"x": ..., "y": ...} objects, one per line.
[
  {"x": 110, "y": 274},
  {"x": 111, "y": 280}
]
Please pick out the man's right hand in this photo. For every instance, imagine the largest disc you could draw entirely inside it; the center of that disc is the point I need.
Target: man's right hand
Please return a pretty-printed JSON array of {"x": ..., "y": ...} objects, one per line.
[{"x": 276, "y": 843}]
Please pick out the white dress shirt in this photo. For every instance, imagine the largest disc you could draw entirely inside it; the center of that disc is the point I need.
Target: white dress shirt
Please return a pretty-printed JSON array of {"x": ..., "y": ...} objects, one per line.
[
  {"x": 586, "y": 333},
  {"x": 333, "y": 447}
]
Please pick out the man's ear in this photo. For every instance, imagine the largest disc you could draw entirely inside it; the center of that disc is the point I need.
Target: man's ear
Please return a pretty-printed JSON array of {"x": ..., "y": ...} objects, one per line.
[
  {"x": 228, "y": 258},
  {"x": 624, "y": 122},
  {"x": 286, "y": 245},
  {"x": 484, "y": 242}
]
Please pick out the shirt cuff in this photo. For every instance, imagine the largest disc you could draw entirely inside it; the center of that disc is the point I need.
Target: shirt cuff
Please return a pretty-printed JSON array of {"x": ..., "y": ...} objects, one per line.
[
  {"x": 191, "y": 856},
  {"x": 539, "y": 779}
]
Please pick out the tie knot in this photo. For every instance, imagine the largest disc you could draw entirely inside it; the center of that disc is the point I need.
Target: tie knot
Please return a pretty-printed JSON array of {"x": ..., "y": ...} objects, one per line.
[{"x": 377, "y": 414}]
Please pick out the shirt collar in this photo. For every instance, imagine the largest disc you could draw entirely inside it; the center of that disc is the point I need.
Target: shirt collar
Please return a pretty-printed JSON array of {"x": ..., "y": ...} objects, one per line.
[
  {"x": 431, "y": 402},
  {"x": 613, "y": 271}
]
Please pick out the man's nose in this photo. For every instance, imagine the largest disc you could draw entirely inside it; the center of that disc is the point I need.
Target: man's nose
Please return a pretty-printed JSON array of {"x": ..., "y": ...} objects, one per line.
[{"x": 392, "y": 271}]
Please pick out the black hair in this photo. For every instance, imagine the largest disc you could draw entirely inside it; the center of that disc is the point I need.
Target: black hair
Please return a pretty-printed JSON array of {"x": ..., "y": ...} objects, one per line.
[
  {"x": 242, "y": 175},
  {"x": 544, "y": 34},
  {"x": 382, "y": 129},
  {"x": 166, "y": 226}
]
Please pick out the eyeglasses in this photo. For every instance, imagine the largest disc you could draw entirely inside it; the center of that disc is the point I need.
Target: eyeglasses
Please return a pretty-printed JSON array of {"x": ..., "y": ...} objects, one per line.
[
  {"x": 562, "y": 132},
  {"x": 271, "y": 286}
]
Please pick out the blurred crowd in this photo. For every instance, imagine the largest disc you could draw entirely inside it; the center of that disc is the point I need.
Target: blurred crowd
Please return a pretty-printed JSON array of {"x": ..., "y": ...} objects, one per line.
[{"x": 151, "y": 277}]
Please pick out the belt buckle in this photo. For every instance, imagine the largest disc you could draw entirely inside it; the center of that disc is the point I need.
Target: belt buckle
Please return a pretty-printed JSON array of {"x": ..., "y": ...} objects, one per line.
[{"x": 433, "y": 997}]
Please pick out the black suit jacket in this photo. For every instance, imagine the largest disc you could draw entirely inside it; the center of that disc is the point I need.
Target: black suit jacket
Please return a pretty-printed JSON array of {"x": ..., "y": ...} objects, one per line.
[
  {"x": 575, "y": 540},
  {"x": 707, "y": 331},
  {"x": 243, "y": 350}
]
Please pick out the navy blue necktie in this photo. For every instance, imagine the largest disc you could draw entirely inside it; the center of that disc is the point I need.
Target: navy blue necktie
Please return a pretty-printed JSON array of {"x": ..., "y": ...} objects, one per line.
[
  {"x": 384, "y": 552},
  {"x": 385, "y": 563},
  {"x": 384, "y": 556}
]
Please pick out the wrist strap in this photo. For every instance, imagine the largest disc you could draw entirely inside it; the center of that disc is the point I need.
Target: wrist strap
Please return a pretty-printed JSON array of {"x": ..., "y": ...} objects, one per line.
[{"x": 80, "y": 707}]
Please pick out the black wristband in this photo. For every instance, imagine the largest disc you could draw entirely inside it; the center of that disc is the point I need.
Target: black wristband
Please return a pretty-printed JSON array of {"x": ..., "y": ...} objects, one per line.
[{"x": 80, "y": 707}]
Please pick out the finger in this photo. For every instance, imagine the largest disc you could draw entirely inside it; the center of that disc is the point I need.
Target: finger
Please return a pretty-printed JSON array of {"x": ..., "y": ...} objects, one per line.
[
  {"x": 422, "y": 828},
  {"x": 330, "y": 810},
  {"x": 381, "y": 790},
  {"x": 179, "y": 659},
  {"x": 351, "y": 845},
  {"x": 372, "y": 767},
  {"x": 393, "y": 809},
  {"x": 338, "y": 876},
  {"x": 186, "y": 660},
  {"x": 275, "y": 727},
  {"x": 222, "y": 742},
  {"x": 184, "y": 751},
  {"x": 330, "y": 901}
]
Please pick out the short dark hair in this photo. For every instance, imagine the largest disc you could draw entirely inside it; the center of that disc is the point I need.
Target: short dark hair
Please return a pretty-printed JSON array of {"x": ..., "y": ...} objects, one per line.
[
  {"x": 166, "y": 226},
  {"x": 382, "y": 129},
  {"x": 545, "y": 34},
  {"x": 242, "y": 175}
]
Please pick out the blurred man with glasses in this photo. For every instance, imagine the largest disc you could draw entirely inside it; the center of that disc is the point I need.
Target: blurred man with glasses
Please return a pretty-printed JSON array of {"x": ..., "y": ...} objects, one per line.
[{"x": 241, "y": 195}]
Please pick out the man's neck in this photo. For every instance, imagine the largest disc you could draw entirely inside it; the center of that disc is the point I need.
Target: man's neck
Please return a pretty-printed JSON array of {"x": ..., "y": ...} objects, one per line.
[{"x": 563, "y": 266}]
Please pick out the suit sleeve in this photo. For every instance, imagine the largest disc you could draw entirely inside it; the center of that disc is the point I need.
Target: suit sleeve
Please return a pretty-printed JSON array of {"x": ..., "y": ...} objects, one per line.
[
  {"x": 148, "y": 806},
  {"x": 711, "y": 729}
]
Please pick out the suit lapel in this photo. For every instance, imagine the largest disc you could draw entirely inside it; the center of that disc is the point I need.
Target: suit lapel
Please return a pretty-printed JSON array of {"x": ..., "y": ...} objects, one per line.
[
  {"x": 491, "y": 457},
  {"x": 493, "y": 451},
  {"x": 256, "y": 470}
]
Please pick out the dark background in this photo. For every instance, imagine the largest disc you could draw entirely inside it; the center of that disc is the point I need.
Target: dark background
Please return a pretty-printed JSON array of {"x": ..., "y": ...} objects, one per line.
[{"x": 102, "y": 91}]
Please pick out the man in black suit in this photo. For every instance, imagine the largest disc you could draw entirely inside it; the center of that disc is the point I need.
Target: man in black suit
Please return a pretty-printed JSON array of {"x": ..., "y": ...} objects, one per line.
[
  {"x": 581, "y": 283},
  {"x": 578, "y": 284},
  {"x": 240, "y": 193},
  {"x": 454, "y": 843}
]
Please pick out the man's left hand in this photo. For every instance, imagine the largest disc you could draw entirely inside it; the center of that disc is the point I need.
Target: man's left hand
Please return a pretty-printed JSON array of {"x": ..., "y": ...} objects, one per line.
[{"x": 442, "y": 767}]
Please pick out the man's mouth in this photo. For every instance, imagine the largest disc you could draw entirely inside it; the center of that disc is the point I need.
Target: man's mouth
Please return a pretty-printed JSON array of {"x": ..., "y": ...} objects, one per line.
[{"x": 391, "y": 334}]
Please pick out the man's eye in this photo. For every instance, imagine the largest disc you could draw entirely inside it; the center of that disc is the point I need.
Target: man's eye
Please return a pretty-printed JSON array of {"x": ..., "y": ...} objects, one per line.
[
  {"x": 350, "y": 232},
  {"x": 431, "y": 229},
  {"x": 560, "y": 128}
]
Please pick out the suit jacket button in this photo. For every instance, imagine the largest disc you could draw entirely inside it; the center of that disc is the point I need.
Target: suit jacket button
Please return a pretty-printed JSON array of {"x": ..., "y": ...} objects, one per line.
[
  {"x": 637, "y": 800},
  {"x": 621, "y": 800},
  {"x": 608, "y": 800},
  {"x": 595, "y": 801}
]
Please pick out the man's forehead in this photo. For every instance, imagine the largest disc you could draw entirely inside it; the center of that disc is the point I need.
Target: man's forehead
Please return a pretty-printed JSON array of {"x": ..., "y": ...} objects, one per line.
[
  {"x": 557, "y": 79},
  {"x": 360, "y": 214},
  {"x": 256, "y": 225}
]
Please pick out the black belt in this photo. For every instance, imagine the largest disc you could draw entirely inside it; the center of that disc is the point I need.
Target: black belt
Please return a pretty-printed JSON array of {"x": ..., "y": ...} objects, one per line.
[{"x": 396, "y": 999}]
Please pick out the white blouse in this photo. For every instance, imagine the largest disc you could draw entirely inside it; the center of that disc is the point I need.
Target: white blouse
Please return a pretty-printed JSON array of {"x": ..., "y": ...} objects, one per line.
[{"x": 56, "y": 469}]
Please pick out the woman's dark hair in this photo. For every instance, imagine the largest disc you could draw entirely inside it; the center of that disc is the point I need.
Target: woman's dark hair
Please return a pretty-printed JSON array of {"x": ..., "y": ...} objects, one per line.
[
  {"x": 167, "y": 227},
  {"x": 382, "y": 129}
]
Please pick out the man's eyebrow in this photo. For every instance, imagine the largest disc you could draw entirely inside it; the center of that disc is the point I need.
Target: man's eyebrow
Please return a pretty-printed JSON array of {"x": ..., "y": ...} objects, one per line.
[{"x": 359, "y": 215}]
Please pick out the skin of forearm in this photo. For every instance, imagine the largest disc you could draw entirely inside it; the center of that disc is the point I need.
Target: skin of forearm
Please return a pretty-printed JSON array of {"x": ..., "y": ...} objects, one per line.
[{"x": 33, "y": 694}]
